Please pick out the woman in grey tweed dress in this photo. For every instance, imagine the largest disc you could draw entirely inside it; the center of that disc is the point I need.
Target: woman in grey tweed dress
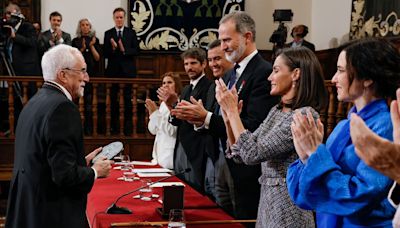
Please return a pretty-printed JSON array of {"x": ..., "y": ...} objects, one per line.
[{"x": 297, "y": 78}]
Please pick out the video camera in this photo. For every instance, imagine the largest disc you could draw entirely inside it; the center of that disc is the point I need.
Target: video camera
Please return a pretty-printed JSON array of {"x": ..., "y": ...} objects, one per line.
[
  {"x": 5, "y": 30},
  {"x": 278, "y": 37}
]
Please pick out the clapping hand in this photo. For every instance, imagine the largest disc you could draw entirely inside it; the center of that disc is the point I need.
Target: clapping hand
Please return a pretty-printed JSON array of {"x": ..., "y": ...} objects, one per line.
[
  {"x": 227, "y": 99},
  {"x": 151, "y": 106},
  {"x": 169, "y": 97},
  {"x": 92, "y": 41},
  {"x": 121, "y": 46},
  {"x": 307, "y": 135},
  {"x": 114, "y": 44},
  {"x": 193, "y": 111}
]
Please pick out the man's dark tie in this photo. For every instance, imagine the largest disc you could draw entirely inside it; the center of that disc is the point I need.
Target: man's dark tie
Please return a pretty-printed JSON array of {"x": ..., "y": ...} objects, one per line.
[
  {"x": 119, "y": 34},
  {"x": 232, "y": 78},
  {"x": 189, "y": 91}
]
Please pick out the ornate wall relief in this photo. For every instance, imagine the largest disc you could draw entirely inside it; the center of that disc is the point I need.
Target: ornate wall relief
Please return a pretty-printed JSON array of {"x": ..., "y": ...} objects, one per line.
[
  {"x": 375, "y": 18},
  {"x": 176, "y": 25}
]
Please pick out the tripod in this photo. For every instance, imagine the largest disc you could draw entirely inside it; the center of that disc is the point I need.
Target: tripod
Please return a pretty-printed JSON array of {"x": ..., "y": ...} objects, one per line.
[{"x": 11, "y": 72}]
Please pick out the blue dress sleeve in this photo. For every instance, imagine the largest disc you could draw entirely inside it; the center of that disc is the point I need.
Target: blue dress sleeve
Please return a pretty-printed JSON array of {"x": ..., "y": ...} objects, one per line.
[{"x": 342, "y": 188}]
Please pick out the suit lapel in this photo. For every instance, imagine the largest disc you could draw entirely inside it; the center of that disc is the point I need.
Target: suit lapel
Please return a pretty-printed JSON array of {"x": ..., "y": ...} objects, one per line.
[
  {"x": 244, "y": 77},
  {"x": 199, "y": 86}
]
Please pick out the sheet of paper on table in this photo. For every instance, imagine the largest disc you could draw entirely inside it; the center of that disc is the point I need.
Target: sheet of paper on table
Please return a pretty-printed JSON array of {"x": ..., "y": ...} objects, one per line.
[
  {"x": 153, "y": 174},
  {"x": 162, "y": 184},
  {"x": 152, "y": 170}
]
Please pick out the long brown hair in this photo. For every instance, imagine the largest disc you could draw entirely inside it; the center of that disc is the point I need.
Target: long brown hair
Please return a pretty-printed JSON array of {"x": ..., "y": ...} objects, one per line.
[
  {"x": 311, "y": 89},
  {"x": 177, "y": 79}
]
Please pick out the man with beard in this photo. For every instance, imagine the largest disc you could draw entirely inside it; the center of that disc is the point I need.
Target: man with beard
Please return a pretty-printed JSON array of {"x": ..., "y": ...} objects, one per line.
[
  {"x": 237, "y": 33},
  {"x": 196, "y": 113},
  {"x": 249, "y": 76},
  {"x": 189, "y": 143}
]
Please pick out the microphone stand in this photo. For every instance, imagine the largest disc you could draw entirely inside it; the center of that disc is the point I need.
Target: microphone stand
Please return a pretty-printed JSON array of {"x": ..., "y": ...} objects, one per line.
[{"x": 114, "y": 209}]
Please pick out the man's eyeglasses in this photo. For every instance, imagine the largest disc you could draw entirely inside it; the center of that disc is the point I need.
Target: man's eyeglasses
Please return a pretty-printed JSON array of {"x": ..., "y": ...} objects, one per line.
[{"x": 82, "y": 71}]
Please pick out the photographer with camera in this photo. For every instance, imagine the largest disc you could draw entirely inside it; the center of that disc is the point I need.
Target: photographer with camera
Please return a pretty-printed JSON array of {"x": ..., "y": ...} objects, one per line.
[{"x": 20, "y": 43}]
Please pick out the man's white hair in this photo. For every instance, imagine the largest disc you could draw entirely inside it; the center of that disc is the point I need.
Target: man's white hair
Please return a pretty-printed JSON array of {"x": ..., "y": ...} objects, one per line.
[{"x": 57, "y": 58}]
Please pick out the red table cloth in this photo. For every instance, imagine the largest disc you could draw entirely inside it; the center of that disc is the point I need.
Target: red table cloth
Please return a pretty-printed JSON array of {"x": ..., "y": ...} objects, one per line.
[{"x": 105, "y": 191}]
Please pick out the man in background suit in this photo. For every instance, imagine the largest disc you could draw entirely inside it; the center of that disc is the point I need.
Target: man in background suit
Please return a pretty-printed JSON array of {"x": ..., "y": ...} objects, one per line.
[
  {"x": 249, "y": 76},
  {"x": 189, "y": 143},
  {"x": 54, "y": 35},
  {"x": 196, "y": 112},
  {"x": 298, "y": 33},
  {"x": 51, "y": 177},
  {"x": 120, "y": 48}
]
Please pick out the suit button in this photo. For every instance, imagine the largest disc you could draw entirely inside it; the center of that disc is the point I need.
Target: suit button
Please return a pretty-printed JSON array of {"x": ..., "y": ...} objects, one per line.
[{"x": 23, "y": 170}]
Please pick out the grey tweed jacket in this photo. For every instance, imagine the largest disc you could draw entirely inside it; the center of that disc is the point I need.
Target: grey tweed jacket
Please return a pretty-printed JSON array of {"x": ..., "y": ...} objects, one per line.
[{"x": 272, "y": 146}]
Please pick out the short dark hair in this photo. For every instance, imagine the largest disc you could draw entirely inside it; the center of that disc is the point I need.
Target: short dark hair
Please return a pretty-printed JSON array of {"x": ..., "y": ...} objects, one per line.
[
  {"x": 55, "y": 14},
  {"x": 177, "y": 79},
  {"x": 374, "y": 59},
  {"x": 196, "y": 53},
  {"x": 311, "y": 89},
  {"x": 214, "y": 44},
  {"x": 243, "y": 22},
  {"x": 119, "y": 9}
]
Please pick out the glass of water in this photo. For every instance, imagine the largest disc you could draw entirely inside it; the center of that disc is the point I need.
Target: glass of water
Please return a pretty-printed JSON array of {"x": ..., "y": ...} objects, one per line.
[
  {"x": 176, "y": 218},
  {"x": 147, "y": 191},
  {"x": 125, "y": 163}
]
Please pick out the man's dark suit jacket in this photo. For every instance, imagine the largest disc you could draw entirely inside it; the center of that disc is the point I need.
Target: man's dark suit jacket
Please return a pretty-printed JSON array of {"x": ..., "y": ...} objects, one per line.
[
  {"x": 44, "y": 40},
  {"x": 191, "y": 140},
  {"x": 50, "y": 179},
  {"x": 305, "y": 43},
  {"x": 254, "y": 90},
  {"x": 25, "y": 52},
  {"x": 121, "y": 64}
]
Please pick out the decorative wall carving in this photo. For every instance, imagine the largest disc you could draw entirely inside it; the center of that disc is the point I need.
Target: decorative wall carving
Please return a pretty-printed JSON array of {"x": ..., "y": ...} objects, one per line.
[
  {"x": 172, "y": 25},
  {"x": 375, "y": 18}
]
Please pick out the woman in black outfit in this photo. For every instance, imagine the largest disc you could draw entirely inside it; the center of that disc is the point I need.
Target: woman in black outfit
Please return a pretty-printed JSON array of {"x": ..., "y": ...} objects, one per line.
[{"x": 87, "y": 42}]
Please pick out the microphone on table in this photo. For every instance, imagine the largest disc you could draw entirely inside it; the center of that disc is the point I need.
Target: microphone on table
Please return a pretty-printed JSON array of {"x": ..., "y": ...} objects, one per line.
[{"x": 114, "y": 209}]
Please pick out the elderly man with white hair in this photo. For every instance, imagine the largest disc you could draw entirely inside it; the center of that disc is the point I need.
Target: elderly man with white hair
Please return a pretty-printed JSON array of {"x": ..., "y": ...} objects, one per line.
[{"x": 51, "y": 176}]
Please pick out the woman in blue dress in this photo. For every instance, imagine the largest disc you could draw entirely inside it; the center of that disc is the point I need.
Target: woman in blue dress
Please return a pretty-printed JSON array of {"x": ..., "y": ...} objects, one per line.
[{"x": 330, "y": 178}]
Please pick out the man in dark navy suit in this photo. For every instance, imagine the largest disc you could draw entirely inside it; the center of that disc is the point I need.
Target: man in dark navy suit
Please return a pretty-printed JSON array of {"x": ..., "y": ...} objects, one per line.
[
  {"x": 189, "y": 143},
  {"x": 236, "y": 185},
  {"x": 120, "y": 49}
]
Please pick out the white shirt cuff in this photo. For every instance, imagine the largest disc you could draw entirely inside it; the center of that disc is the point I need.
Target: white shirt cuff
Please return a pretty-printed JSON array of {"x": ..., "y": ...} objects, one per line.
[
  {"x": 95, "y": 173},
  {"x": 207, "y": 120},
  {"x": 206, "y": 123},
  {"x": 390, "y": 195}
]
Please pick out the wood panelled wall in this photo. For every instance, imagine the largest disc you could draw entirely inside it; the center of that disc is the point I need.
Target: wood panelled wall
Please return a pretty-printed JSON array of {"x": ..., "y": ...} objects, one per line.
[{"x": 152, "y": 64}]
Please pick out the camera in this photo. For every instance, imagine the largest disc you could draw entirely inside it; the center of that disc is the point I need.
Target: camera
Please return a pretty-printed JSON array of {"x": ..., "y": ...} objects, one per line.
[
  {"x": 278, "y": 37},
  {"x": 5, "y": 30}
]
